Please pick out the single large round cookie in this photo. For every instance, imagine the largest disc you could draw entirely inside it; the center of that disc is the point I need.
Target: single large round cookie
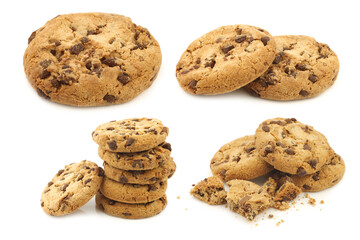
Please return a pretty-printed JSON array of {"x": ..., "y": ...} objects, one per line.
[
  {"x": 292, "y": 147},
  {"x": 132, "y": 193},
  {"x": 144, "y": 160},
  {"x": 129, "y": 210},
  {"x": 130, "y": 135},
  {"x": 225, "y": 59},
  {"x": 239, "y": 159},
  {"x": 71, "y": 188},
  {"x": 302, "y": 68},
  {"x": 91, "y": 59},
  {"x": 151, "y": 176},
  {"x": 329, "y": 175}
]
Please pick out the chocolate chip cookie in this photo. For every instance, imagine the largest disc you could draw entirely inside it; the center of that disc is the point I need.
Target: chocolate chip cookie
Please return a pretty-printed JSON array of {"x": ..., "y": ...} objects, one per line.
[
  {"x": 225, "y": 59},
  {"x": 132, "y": 193},
  {"x": 91, "y": 59},
  {"x": 247, "y": 198},
  {"x": 71, "y": 188},
  {"x": 130, "y": 135},
  {"x": 292, "y": 147},
  {"x": 150, "y": 176},
  {"x": 239, "y": 159},
  {"x": 128, "y": 210},
  {"x": 329, "y": 175},
  {"x": 302, "y": 68},
  {"x": 144, "y": 160},
  {"x": 210, "y": 190}
]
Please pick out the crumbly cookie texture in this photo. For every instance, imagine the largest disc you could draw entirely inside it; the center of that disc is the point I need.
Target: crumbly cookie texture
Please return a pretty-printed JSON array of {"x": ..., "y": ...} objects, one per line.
[
  {"x": 128, "y": 210},
  {"x": 210, "y": 190},
  {"x": 225, "y": 59},
  {"x": 91, "y": 59},
  {"x": 132, "y": 193},
  {"x": 329, "y": 175},
  {"x": 287, "y": 192},
  {"x": 292, "y": 147},
  {"x": 150, "y": 176},
  {"x": 71, "y": 188},
  {"x": 302, "y": 68},
  {"x": 130, "y": 135},
  {"x": 239, "y": 159},
  {"x": 247, "y": 198},
  {"x": 144, "y": 160}
]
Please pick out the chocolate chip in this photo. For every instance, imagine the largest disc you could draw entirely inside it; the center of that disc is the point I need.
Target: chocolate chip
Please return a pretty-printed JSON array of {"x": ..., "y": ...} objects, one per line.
[
  {"x": 50, "y": 183},
  {"x": 45, "y": 63},
  {"x": 249, "y": 149},
  {"x": 193, "y": 84},
  {"x": 109, "y": 98},
  {"x": 44, "y": 74},
  {"x": 268, "y": 150},
  {"x": 304, "y": 93},
  {"x": 112, "y": 145},
  {"x": 129, "y": 142},
  {"x": 223, "y": 173},
  {"x": 42, "y": 94},
  {"x": 313, "y": 78},
  {"x": 265, "y": 40},
  {"x": 124, "y": 78},
  {"x": 126, "y": 214},
  {"x": 301, "y": 172},
  {"x": 53, "y": 52},
  {"x": 32, "y": 36},
  {"x": 166, "y": 146},
  {"x": 240, "y": 39},
  {"x": 306, "y": 147},
  {"x": 111, "y": 62},
  {"x": 313, "y": 163},
  {"x": 152, "y": 188},
  {"x": 77, "y": 48},
  {"x": 290, "y": 151},
  {"x": 300, "y": 67},
  {"x": 265, "y": 128},
  {"x": 84, "y": 40},
  {"x": 280, "y": 144},
  {"x": 123, "y": 179},
  {"x": 138, "y": 163},
  {"x": 227, "y": 48},
  {"x": 210, "y": 63},
  {"x": 63, "y": 187},
  {"x": 238, "y": 31},
  {"x": 306, "y": 187},
  {"x": 60, "y": 172},
  {"x": 101, "y": 172},
  {"x": 87, "y": 181},
  {"x": 316, "y": 176},
  {"x": 277, "y": 59},
  {"x": 164, "y": 130}
]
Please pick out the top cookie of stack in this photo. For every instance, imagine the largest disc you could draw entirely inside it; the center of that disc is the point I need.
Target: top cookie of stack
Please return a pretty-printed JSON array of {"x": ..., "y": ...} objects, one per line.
[
  {"x": 278, "y": 68},
  {"x": 91, "y": 59}
]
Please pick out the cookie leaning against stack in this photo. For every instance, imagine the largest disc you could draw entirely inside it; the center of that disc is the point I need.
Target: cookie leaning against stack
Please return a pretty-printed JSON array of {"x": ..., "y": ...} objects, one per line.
[
  {"x": 137, "y": 165},
  {"x": 91, "y": 59}
]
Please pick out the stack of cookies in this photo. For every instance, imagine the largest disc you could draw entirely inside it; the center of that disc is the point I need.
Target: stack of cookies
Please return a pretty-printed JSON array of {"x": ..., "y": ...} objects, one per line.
[
  {"x": 296, "y": 157},
  {"x": 137, "y": 165},
  {"x": 241, "y": 56}
]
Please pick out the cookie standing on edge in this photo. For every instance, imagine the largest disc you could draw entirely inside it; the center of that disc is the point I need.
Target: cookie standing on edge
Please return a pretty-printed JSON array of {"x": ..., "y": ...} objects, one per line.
[
  {"x": 130, "y": 135},
  {"x": 239, "y": 159},
  {"x": 225, "y": 59},
  {"x": 302, "y": 68},
  {"x": 292, "y": 147},
  {"x": 91, "y": 59},
  {"x": 71, "y": 188}
]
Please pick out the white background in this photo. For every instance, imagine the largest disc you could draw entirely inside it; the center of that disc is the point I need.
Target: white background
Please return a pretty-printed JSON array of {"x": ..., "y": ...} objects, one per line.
[{"x": 39, "y": 137}]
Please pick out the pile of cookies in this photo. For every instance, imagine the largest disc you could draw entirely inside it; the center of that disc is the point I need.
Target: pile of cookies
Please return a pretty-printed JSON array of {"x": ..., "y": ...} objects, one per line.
[
  {"x": 231, "y": 57},
  {"x": 137, "y": 165},
  {"x": 296, "y": 157}
]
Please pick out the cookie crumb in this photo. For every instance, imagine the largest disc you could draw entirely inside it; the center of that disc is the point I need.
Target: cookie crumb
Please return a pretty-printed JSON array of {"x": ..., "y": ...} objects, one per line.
[
  {"x": 178, "y": 197},
  {"x": 280, "y": 222},
  {"x": 271, "y": 216},
  {"x": 322, "y": 202}
]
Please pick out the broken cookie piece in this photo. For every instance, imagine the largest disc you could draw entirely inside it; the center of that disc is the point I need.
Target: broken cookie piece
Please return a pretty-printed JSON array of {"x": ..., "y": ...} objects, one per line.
[
  {"x": 210, "y": 190},
  {"x": 247, "y": 198},
  {"x": 286, "y": 193}
]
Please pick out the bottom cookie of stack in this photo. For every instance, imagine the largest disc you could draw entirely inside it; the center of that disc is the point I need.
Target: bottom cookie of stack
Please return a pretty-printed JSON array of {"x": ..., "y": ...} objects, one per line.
[{"x": 130, "y": 210}]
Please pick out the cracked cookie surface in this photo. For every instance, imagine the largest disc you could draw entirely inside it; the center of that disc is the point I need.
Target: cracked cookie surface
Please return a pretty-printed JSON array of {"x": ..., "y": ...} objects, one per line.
[
  {"x": 292, "y": 147},
  {"x": 225, "y": 59},
  {"x": 91, "y": 59},
  {"x": 151, "y": 176},
  {"x": 239, "y": 159},
  {"x": 302, "y": 68},
  {"x": 71, "y": 188},
  {"x": 130, "y": 135},
  {"x": 132, "y": 193},
  {"x": 129, "y": 210}
]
